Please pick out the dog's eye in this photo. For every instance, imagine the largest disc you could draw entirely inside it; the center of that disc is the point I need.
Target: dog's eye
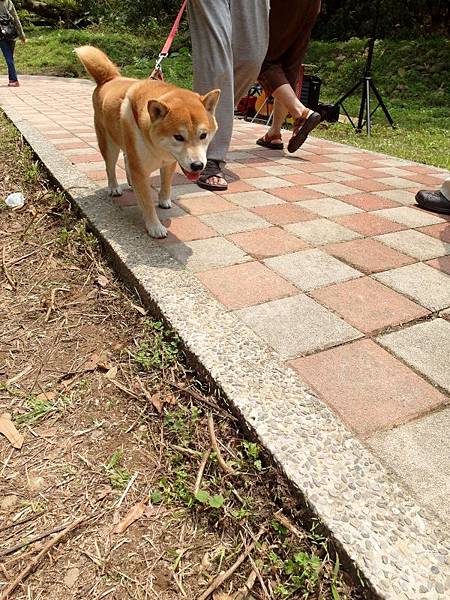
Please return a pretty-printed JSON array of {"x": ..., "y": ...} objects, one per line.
[
  {"x": 202, "y": 136},
  {"x": 179, "y": 137}
]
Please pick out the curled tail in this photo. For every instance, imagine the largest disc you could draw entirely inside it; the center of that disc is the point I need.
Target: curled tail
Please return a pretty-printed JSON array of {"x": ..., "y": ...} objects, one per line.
[{"x": 97, "y": 64}]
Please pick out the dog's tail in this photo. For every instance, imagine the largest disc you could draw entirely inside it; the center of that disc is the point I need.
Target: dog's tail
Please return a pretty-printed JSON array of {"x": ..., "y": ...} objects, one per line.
[{"x": 97, "y": 64}]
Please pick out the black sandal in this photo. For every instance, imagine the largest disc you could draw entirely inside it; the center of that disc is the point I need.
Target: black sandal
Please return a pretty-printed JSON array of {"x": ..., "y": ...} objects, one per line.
[
  {"x": 302, "y": 127},
  {"x": 267, "y": 142},
  {"x": 212, "y": 169}
]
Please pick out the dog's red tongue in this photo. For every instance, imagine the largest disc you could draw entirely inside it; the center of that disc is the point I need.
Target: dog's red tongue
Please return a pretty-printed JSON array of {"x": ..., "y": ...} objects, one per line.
[{"x": 191, "y": 175}]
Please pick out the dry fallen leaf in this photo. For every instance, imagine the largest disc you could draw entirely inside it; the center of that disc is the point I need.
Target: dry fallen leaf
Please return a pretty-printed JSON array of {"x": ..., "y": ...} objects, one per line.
[
  {"x": 46, "y": 396},
  {"x": 140, "y": 309},
  {"x": 222, "y": 597},
  {"x": 97, "y": 361},
  {"x": 9, "y": 430},
  {"x": 71, "y": 577},
  {"x": 112, "y": 373},
  {"x": 102, "y": 281},
  {"x": 132, "y": 515}
]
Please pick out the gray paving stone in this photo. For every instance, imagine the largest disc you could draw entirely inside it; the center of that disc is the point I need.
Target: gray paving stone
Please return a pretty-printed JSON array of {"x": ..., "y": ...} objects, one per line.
[
  {"x": 252, "y": 199},
  {"x": 339, "y": 176},
  {"x": 321, "y": 231},
  {"x": 333, "y": 189},
  {"x": 189, "y": 190},
  {"x": 329, "y": 207},
  {"x": 297, "y": 325},
  {"x": 234, "y": 221},
  {"x": 201, "y": 255},
  {"x": 411, "y": 217},
  {"x": 415, "y": 244},
  {"x": 424, "y": 346},
  {"x": 400, "y": 196},
  {"x": 427, "y": 286},
  {"x": 310, "y": 269},
  {"x": 266, "y": 183},
  {"x": 419, "y": 453},
  {"x": 396, "y": 182}
]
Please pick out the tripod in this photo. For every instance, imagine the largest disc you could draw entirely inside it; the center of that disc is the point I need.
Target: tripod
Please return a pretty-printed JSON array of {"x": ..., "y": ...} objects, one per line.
[{"x": 368, "y": 86}]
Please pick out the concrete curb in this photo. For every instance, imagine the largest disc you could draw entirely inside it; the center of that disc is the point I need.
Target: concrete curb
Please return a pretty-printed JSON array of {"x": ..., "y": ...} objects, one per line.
[{"x": 398, "y": 547}]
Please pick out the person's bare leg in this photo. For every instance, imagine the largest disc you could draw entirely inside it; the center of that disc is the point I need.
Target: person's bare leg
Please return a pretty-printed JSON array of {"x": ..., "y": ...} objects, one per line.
[
  {"x": 286, "y": 96},
  {"x": 278, "y": 118}
]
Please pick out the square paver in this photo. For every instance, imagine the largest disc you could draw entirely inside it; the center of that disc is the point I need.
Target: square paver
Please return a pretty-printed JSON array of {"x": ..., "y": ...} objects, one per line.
[
  {"x": 425, "y": 347},
  {"x": 369, "y": 255},
  {"x": 234, "y": 221},
  {"x": 369, "y": 224},
  {"x": 416, "y": 244},
  {"x": 440, "y": 231},
  {"x": 297, "y": 325},
  {"x": 442, "y": 263},
  {"x": 252, "y": 199},
  {"x": 333, "y": 189},
  {"x": 339, "y": 176},
  {"x": 185, "y": 229},
  {"x": 309, "y": 269},
  {"x": 369, "y": 185},
  {"x": 427, "y": 286},
  {"x": 368, "y": 201},
  {"x": 321, "y": 231},
  {"x": 244, "y": 285},
  {"x": 411, "y": 217},
  {"x": 282, "y": 214},
  {"x": 201, "y": 255},
  {"x": 367, "y": 387},
  {"x": 396, "y": 182},
  {"x": 304, "y": 178},
  {"x": 330, "y": 207},
  {"x": 368, "y": 305},
  {"x": 205, "y": 205},
  {"x": 401, "y": 196},
  {"x": 296, "y": 193},
  {"x": 418, "y": 453},
  {"x": 267, "y": 183},
  {"x": 264, "y": 243}
]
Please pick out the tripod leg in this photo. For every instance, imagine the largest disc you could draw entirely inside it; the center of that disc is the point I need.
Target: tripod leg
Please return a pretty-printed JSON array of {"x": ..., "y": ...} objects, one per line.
[
  {"x": 361, "y": 108},
  {"x": 368, "y": 117},
  {"x": 382, "y": 104},
  {"x": 348, "y": 94}
]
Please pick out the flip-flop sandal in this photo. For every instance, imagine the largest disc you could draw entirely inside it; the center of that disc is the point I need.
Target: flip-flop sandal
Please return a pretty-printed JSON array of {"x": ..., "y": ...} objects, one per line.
[
  {"x": 212, "y": 169},
  {"x": 302, "y": 128},
  {"x": 267, "y": 142}
]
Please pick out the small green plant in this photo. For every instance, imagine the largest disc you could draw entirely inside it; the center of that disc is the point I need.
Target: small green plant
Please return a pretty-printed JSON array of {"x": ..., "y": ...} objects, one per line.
[
  {"x": 77, "y": 235},
  {"x": 39, "y": 408},
  {"x": 118, "y": 475},
  {"x": 204, "y": 497},
  {"x": 253, "y": 453},
  {"x": 160, "y": 351}
]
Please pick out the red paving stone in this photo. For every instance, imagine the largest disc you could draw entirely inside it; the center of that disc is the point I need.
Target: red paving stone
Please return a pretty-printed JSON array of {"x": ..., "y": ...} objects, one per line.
[
  {"x": 368, "y": 305},
  {"x": 237, "y": 186},
  {"x": 296, "y": 193},
  {"x": 186, "y": 229},
  {"x": 204, "y": 205},
  {"x": 282, "y": 214},
  {"x": 442, "y": 263},
  {"x": 86, "y": 158},
  {"x": 244, "y": 285},
  {"x": 304, "y": 179},
  {"x": 369, "y": 202},
  {"x": 369, "y": 185},
  {"x": 367, "y": 387},
  {"x": 369, "y": 256},
  {"x": 368, "y": 224},
  {"x": 441, "y": 231},
  {"x": 264, "y": 243},
  {"x": 71, "y": 145}
]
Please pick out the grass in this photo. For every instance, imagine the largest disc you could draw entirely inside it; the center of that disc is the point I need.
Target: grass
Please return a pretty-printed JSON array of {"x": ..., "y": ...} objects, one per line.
[{"x": 412, "y": 76}]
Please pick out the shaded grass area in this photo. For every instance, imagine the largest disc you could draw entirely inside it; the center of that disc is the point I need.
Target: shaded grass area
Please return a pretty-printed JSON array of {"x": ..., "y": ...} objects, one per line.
[
  {"x": 115, "y": 427},
  {"x": 412, "y": 76}
]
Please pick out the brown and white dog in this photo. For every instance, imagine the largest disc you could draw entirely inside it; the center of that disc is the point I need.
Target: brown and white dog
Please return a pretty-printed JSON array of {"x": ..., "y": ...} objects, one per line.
[{"x": 156, "y": 124}]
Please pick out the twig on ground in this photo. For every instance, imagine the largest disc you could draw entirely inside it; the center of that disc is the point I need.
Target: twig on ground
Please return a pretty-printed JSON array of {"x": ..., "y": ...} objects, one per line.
[
  {"x": 22, "y": 521},
  {"x": 31, "y": 540},
  {"x": 248, "y": 586},
  {"x": 223, "y": 465},
  {"x": 36, "y": 560},
  {"x": 127, "y": 489},
  {"x": 265, "y": 591},
  {"x": 201, "y": 470},
  {"x": 220, "y": 579},
  {"x": 11, "y": 281},
  {"x": 197, "y": 396},
  {"x": 285, "y": 522}
]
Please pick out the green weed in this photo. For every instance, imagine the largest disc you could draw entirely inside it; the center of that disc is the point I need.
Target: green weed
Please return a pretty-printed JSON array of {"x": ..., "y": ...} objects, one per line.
[
  {"x": 40, "y": 408},
  {"x": 78, "y": 235},
  {"x": 118, "y": 475},
  {"x": 160, "y": 350}
]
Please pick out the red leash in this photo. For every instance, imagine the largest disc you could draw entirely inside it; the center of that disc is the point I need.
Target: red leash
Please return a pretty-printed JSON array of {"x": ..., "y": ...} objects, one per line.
[{"x": 157, "y": 71}]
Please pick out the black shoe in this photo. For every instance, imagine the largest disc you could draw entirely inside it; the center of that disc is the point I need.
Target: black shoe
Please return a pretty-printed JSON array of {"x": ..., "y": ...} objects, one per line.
[{"x": 434, "y": 201}]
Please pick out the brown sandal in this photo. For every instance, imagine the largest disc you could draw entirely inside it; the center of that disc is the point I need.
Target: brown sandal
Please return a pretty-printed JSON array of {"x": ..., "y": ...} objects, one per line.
[
  {"x": 212, "y": 169},
  {"x": 267, "y": 142},
  {"x": 302, "y": 127}
]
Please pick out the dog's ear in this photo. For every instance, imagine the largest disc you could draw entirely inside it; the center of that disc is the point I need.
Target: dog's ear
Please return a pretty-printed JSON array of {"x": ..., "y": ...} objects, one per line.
[
  {"x": 210, "y": 100},
  {"x": 157, "y": 110}
]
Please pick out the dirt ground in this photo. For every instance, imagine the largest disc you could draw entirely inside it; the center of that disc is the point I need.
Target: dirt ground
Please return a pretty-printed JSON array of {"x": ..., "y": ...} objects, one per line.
[{"x": 120, "y": 488}]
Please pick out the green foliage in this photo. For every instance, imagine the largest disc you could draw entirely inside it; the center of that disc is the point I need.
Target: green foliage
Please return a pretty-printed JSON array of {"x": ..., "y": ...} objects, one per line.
[
  {"x": 160, "y": 351},
  {"x": 118, "y": 475},
  {"x": 39, "y": 408},
  {"x": 204, "y": 497}
]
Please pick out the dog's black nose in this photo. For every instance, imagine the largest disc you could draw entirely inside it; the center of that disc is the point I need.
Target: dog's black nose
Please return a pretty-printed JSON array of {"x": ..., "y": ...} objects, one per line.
[{"x": 197, "y": 165}]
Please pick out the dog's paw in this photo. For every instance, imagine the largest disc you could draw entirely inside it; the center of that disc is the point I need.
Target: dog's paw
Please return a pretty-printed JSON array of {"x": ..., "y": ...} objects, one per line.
[
  {"x": 115, "y": 191},
  {"x": 165, "y": 202},
  {"x": 156, "y": 230}
]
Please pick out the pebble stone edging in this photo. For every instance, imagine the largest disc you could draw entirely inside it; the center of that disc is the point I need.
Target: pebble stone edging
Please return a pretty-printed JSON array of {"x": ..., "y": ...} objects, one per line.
[{"x": 398, "y": 547}]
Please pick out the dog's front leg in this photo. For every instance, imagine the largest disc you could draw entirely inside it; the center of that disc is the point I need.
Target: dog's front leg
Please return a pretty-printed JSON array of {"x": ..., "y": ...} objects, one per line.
[
  {"x": 166, "y": 173},
  {"x": 144, "y": 195}
]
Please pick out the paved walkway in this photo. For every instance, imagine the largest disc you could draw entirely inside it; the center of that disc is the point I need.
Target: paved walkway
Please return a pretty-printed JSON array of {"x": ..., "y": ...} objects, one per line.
[{"x": 324, "y": 255}]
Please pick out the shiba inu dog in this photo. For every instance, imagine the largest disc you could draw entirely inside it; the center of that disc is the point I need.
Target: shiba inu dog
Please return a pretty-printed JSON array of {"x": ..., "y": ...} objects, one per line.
[{"x": 156, "y": 124}]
